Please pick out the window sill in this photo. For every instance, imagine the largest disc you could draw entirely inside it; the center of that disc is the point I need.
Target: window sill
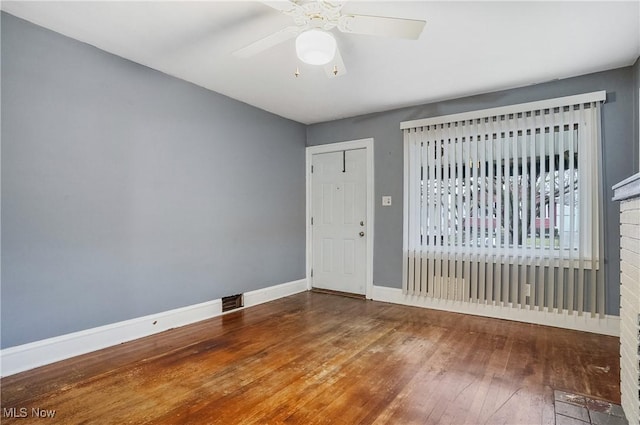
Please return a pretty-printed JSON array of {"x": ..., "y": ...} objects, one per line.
[{"x": 516, "y": 257}]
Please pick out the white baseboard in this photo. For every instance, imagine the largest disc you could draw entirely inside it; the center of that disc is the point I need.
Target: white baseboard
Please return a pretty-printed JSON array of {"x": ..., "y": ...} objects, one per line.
[
  {"x": 271, "y": 293},
  {"x": 609, "y": 325},
  {"x": 39, "y": 353}
]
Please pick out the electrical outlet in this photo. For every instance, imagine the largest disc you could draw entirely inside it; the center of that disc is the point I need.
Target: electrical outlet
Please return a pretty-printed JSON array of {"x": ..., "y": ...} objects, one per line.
[
  {"x": 527, "y": 290},
  {"x": 386, "y": 201}
]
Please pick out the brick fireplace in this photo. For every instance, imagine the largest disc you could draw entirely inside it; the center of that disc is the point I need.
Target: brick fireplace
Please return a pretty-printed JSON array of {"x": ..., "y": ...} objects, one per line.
[{"x": 628, "y": 193}]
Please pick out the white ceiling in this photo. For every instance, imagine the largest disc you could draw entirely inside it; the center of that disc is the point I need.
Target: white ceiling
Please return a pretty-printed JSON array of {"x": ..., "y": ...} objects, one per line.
[{"x": 466, "y": 48}]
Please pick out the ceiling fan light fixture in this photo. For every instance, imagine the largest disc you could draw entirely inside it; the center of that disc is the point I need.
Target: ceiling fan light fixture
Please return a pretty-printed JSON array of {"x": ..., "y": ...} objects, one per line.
[{"x": 315, "y": 47}]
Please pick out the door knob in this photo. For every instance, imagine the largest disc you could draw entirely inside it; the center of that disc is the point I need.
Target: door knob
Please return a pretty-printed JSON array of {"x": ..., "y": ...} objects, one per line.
[{"x": 361, "y": 234}]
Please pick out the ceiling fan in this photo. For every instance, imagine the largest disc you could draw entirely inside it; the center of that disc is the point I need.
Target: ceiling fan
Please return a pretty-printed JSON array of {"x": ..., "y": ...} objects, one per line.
[{"x": 313, "y": 22}]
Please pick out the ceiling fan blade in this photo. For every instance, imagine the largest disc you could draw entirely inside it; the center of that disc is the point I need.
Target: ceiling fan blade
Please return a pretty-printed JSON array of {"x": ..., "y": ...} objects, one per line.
[
  {"x": 336, "y": 67},
  {"x": 267, "y": 42},
  {"x": 282, "y": 5},
  {"x": 384, "y": 26}
]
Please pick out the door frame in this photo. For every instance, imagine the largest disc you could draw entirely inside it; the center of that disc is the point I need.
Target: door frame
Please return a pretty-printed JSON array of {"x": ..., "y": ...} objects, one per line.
[{"x": 366, "y": 144}]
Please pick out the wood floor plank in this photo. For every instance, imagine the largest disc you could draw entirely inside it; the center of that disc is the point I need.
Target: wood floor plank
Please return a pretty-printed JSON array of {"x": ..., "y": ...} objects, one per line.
[{"x": 319, "y": 358}]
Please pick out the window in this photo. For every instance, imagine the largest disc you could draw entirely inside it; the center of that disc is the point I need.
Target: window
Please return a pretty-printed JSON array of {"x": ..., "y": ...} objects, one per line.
[
  {"x": 513, "y": 185},
  {"x": 512, "y": 189}
]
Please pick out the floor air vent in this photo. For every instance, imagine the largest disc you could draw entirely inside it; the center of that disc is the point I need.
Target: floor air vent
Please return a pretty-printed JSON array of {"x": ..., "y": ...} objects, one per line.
[{"x": 232, "y": 302}]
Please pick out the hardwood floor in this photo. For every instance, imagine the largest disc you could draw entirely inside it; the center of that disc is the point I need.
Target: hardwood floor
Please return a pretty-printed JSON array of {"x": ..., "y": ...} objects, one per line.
[{"x": 324, "y": 359}]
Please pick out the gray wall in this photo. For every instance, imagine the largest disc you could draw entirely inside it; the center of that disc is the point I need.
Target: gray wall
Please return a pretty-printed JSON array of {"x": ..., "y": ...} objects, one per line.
[
  {"x": 127, "y": 192},
  {"x": 384, "y": 127},
  {"x": 636, "y": 113}
]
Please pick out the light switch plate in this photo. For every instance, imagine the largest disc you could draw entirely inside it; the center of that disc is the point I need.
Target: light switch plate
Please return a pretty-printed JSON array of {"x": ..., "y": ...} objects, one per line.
[{"x": 386, "y": 201}]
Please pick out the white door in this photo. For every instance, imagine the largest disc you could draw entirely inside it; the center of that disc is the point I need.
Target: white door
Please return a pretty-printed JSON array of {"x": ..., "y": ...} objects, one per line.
[{"x": 339, "y": 212}]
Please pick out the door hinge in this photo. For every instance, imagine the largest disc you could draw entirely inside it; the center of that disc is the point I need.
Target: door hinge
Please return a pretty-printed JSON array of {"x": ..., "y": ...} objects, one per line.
[
  {"x": 311, "y": 272},
  {"x": 312, "y": 221},
  {"x": 312, "y": 169}
]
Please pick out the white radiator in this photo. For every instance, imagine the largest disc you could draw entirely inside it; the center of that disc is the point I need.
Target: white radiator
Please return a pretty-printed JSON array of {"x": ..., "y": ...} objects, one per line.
[{"x": 508, "y": 281}]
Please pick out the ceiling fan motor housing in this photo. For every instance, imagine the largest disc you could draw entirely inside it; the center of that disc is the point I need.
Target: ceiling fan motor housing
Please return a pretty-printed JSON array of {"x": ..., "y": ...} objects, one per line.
[{"x": 316, "y": 14}]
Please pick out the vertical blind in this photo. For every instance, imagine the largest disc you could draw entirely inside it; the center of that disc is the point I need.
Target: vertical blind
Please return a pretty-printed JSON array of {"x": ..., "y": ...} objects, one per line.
[{"x": 503, "y": 206}]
